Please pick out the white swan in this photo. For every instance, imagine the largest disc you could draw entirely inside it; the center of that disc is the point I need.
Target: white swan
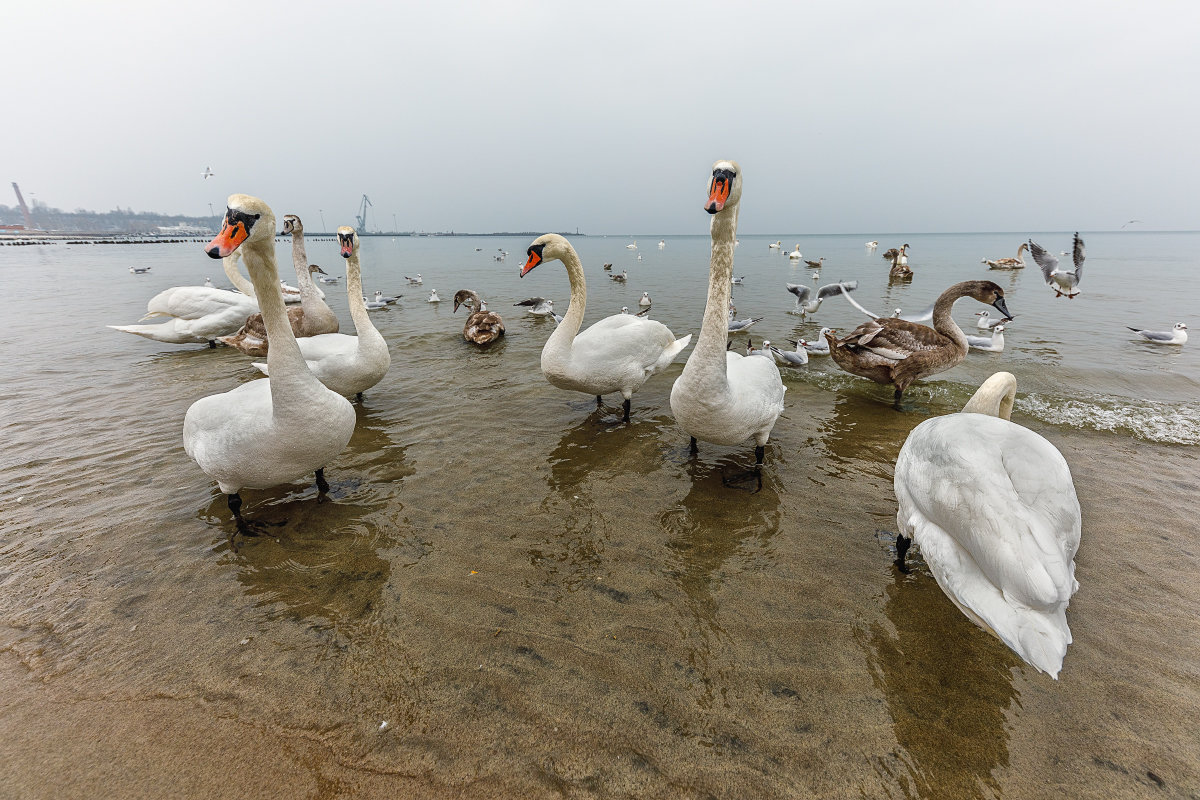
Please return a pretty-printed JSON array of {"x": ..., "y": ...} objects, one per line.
[
  {"x": 632, "y": 246},
  {"x": 796, "y": 253},
  {"x": 992, "y": 506},
  {"x": 990, "y": 344},
  {"x": 265, "y": 432},
  {"x": 723, "y": 397},
  {"x": 348, "y": 365},
  {"x": 616, "y": 354},
  {"x": 775, "y": 246},
  {"x": 662, "y": 244},
  {"x": 198, "y": 314}
]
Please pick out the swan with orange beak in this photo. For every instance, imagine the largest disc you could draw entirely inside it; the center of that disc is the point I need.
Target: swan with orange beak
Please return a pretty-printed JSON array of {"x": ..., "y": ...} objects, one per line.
[
  {"x": 266, "y": 432},
  {"x": 616, "y": 354}
]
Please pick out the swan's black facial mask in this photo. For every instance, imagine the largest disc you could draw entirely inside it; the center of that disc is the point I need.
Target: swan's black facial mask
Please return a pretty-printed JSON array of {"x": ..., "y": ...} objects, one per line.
[
  {"x": 535, "y": 258},
  {"x": 719, "y": 190},
  {"x": 234, "y": 231}
]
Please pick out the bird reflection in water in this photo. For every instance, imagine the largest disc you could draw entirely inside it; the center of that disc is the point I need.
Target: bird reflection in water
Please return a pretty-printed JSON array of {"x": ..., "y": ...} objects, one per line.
[
  {"x": 947, "y": 686},
  {"x": 715, "y": 535}
]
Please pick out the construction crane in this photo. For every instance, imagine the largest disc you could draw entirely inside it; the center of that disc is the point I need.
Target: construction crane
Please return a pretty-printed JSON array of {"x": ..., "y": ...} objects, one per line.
[
  {"x": 362, "y": 213},
  {"x": 25, "y": 209}
]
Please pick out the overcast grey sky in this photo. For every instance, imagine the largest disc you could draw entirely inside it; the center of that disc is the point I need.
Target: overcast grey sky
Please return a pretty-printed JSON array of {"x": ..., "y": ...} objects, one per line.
[{"x": 845, "y": 116}]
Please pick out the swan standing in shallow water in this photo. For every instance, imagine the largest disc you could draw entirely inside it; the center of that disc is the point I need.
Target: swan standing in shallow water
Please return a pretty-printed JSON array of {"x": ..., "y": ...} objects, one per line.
[
  {"x": 723, "y": 397},
  {"x": 616, "y": 354},
  {"x": 273, "y": 431},
  {"x": 198, "y": 314},
  {"x": 993, "y": 508},
  {"x": 895, "y": 351},
  {"x": 349, "y": 365}
]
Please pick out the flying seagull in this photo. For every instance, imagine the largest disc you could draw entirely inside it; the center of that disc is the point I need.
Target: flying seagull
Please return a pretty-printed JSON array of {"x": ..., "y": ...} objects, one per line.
[{"x": 208, "y": 173}]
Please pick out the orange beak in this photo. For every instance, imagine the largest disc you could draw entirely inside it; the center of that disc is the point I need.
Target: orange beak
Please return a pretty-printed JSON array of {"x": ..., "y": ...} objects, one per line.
[
  {"x": 534, "y": 260},
  {"x": 228, "y": 240},
  {"x": 347, "y": 250},
  {"x": 718, "y": 194}
]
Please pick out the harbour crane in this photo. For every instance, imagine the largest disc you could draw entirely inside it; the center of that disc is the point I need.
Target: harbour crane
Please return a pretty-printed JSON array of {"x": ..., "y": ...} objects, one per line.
[
  {"x": 25, "y": 209},
  {"x": 362, "y": 213}
]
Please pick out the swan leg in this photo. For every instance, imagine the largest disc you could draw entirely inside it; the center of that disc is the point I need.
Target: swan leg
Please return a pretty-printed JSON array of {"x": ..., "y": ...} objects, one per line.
[
  {"x": 902, "y": 545},
  {"x": 735, "y": 482},
  {"x": 322, "y": 484},
  {"x": 358, "y": 397},
  {"x": 212, "y": 345},
  {"x": 693, "y": 448},
  {"x": 244, "y": 527},
  {"x": 626, "y": 404},
  {"x": 599, "y": 401}
]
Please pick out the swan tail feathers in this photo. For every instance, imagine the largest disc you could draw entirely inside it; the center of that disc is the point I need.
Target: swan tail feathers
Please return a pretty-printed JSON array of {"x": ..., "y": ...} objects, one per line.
[
  {"x": 261, "y": 367},
  {"x": 155, "y": 315},
  {"x": 672, "y": 350}
]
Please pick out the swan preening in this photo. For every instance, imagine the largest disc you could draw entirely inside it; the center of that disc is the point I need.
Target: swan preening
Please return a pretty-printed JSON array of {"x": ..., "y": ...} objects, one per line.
[
  {"x": 197, "y": 314},
  {"x": 895, "y": 351},
  {"x": 265, "y": 432},
  {"x": 723, "y": 397},
  {"x": 348, "y": 365},
  {"x": 616, "y": 354},
  {"x": 993, "y": 508},
  {"x": 482, "y": 326}
]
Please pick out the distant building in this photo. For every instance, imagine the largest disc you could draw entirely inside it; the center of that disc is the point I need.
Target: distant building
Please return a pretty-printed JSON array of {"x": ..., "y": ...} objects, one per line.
[{"x": 183, "y": 229}]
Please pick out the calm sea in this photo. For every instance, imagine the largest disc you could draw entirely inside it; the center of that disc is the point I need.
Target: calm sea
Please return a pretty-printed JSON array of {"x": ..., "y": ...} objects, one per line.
[{"x": 547, "y": 602}]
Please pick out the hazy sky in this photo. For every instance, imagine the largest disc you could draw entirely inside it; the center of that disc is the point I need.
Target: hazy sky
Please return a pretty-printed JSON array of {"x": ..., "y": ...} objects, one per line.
[{"x": 845, "y": 116}]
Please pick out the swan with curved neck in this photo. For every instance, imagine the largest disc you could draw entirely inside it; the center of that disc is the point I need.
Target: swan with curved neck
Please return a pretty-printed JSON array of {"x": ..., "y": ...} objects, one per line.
[
  {"x": 616, "y": 354},
  {"x": 896, "y": 351},
  {"x": 273, "y": 431},
  {"x": 723, "y": 397},
  {"x": 1009, "y": 263},
  {"x": 993, "y": 508},
  {"x": 198, "y": 314},
  {"x": 482, "y": 326},
  {"x": 348, "y": 365}
]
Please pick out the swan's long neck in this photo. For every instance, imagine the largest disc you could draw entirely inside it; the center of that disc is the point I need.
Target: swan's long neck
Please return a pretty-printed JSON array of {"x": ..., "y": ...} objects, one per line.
[
  {"x": 358, "y": 309},
  {"x": 995, "y": 397},
  {"x": 304, "y": 281},
  {"x": 708, "y": 357},
  {"x": 230, "y": 265},
  {"x": 943, "y": 321},
  {"x": 559, "y": 343},
  {"x": 1021, "y": 250},
  {"x": 290, "y": 377}
]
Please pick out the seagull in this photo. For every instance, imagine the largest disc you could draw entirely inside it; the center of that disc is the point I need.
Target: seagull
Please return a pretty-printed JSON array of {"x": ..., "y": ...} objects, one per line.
[
  {"x": 608, "y": 266},
  {"x": 433, "y": 297},
  {"x": 208, "y": 284},
  {"x": 414, "y": 281},
  {"x": 1062, "y": 281},
  {"x": 639, "y": 258},
  {"x": 793, "y": 358},
  {"x": 751, "y": 350},
  {"x": 816, "y": 264},
  {"x": 538, "y": 306},
  {"x": 375, "y": 305},
  {"x": 379, "y": 298},
  {"x": 624, "y": 276},
  {"x": 986, "y": 322},
  {"x": 739, "y": 325},
  {"x": 208, "y": 173},
  {"x": 739, "y": 280},
  {"x": 645, "y": 301},
  {"x": 802, "y": 293},
  {"x": 992, "y": 344},
  {"x": 924, "y": 316},
  {"x": 817, "y": 348},
  {"x": 139, "y": 270},
  {"x": 1177, "y": 335},
  {"x": 330, "y": 278},
  {"x": 662, "y": 244},
  {"x": 1130, "y": 222}
]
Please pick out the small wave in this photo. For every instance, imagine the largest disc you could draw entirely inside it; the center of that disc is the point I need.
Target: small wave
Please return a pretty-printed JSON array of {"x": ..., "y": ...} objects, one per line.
[{"x": 1173, "y": 423}]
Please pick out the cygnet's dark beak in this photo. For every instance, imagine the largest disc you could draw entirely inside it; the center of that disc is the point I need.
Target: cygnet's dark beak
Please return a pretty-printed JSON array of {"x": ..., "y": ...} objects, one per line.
[{"x": 1003, "y": 309}]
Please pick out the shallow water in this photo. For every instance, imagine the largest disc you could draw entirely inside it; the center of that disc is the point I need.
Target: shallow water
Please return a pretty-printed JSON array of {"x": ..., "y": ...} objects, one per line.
[{"x": 542, "y": 601}]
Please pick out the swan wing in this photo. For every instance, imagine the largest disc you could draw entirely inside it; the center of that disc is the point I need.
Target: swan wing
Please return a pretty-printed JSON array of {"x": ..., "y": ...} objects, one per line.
[
  {"x": 994, "y": 510},
  {"x": 625, "y": 341},
  {"x": 898, "y": 335}
]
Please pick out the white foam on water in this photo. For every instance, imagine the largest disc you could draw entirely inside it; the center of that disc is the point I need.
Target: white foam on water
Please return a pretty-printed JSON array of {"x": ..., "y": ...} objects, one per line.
[{"x": 1174, "y": 423}]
